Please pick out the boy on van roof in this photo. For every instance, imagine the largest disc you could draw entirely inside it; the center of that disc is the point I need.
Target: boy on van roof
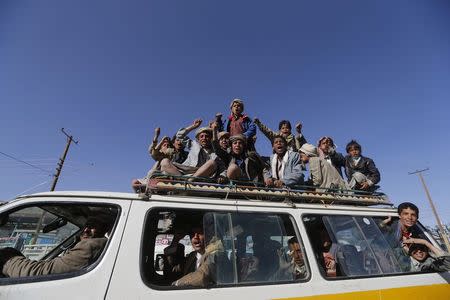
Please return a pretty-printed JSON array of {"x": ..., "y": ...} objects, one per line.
[
  {"x": 239, "y": 123},
  {"x": 242, "y": 164},
  {"x": 285, "y": 168},
  {"x": 361, "y": 171},
  {"x": 284, "y": 129}
]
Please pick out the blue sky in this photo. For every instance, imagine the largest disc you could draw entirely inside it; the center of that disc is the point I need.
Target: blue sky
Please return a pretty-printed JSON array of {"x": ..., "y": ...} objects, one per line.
[{"x": 111, "y": 71}]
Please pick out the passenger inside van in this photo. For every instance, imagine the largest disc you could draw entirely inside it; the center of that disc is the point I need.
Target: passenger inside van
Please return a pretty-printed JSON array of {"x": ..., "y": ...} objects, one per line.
[
  {"x": 208, "y": 257},
  {"x": 260, "y": 249},
  {"x": 397, "y": 231},
  {"x": 337, "y": 257},
  {"x": 421, "y": 260},
  {"x": 295, "y": 268},
  {"x": 328, "y": 254}
]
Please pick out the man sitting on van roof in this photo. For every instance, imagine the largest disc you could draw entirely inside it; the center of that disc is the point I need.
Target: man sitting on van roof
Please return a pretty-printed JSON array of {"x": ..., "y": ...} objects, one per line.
[
  {"x": 362, "y": 174},
  {"x": 285, "y": 168},
  {"x": 201, "y": 160},
  {"x": 284, "y": 129},
  {"x": 323, "y": 175},
  {"x": 92, "y": 242},
  {"x": 241, "y": 164}
]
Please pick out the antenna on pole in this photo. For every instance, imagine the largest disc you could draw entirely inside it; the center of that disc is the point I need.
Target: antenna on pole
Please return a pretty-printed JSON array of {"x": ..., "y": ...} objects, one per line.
[
  {"x": 439, "y": 224},
  {"x": 62, "y": 159}
]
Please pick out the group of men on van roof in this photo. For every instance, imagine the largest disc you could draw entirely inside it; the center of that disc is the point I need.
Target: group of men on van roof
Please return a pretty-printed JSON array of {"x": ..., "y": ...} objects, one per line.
[{"x": 226, "y": 151}]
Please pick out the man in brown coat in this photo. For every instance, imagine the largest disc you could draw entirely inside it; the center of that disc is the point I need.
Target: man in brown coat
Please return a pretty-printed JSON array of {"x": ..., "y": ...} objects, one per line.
[{"x": 81, "y": 255}]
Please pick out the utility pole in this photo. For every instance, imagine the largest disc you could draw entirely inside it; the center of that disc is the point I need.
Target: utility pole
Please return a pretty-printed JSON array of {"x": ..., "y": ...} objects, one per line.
[
  {"x": 439, "y": 224},
  {"x": 55, "y": 180},
  {"x": 62, "y": 159}
]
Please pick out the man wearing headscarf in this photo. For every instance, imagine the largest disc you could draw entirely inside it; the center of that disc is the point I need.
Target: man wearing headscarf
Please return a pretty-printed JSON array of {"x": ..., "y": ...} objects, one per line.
[
  {"x": 323, "y": 175},
  {"x": 327, "y": 151},
  {"x": 201, "y": 161}
]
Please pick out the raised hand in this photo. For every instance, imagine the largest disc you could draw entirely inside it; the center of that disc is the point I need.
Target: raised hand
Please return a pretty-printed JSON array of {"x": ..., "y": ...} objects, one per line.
[{"x": 197, "y": 123}]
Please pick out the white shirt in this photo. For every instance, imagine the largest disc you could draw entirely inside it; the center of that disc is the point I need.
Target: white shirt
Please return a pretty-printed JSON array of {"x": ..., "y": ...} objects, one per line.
[{"x": 199, "y": 258}]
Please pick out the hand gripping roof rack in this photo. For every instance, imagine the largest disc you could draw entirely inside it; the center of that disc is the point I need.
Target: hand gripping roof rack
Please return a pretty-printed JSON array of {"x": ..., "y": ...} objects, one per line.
[{"x": 181, "y": 185}]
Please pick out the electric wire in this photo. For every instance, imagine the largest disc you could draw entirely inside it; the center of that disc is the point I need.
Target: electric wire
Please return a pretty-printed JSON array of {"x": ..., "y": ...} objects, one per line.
[
  {"x": 27, "y": 163},
  {"x": 31, "y": 188}
]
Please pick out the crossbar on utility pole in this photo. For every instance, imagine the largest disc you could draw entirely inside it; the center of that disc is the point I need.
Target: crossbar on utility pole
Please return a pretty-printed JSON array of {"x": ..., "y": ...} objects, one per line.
[
  {"x": 438, "y": 220},
  {"x": 62, "y": 159}
]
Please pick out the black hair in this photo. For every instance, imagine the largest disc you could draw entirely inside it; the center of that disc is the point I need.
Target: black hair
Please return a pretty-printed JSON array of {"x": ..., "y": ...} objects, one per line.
[
  {"x": 414, "y": 247},
  {"x": 284, "y": 122},
  {"x": 406, "y": 205},
  {"x": 293, "y": 240},
  {"x": 326, "y": 138},
  {"x": 353, "y": 144},
  {"x": 279, "y": 136},
  {"x": 101, "y": 223}
]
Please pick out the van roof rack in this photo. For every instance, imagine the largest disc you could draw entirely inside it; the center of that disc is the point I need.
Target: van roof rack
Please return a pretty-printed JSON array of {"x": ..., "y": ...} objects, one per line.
[{"x": 189, "y": 186}]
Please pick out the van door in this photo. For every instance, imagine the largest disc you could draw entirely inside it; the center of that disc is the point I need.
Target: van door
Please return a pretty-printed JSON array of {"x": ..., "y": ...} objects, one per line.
[{"x": 46, "y": 231}]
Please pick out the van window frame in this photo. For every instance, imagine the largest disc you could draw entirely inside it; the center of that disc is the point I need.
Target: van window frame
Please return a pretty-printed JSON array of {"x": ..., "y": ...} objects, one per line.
[
  {"x": 148, "y": 237},
  {"x": 382, "y": 275},
  {"x": 4, "y": 281}
]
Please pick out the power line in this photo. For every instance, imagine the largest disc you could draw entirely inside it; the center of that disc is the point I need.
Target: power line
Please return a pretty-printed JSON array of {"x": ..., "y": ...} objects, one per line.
[
  {"x": 32, "y": 188},
  {"x": 27, "y": 163}
]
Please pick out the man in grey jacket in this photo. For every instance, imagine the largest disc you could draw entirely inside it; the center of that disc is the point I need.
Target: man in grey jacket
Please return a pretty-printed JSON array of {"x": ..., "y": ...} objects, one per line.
[
  {"x": 323, "y": 175},
  {"x": 81, "y": 255},
  {"x": 285, "y": 168}
]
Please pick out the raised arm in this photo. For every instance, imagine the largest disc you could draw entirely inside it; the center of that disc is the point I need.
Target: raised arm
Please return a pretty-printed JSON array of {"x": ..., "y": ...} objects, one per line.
[
  {"x": 183, "y": 132},
  {"x": 152, "y": 149},
  {"x": 269, "y": 133},
  {"x": 438, "y": 252},
  {"x": 299, "y": 137},
  {"x": 251, "y": 130}
]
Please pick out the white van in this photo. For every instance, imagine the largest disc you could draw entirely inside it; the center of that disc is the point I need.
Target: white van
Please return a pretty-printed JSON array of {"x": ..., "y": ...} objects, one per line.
[{"x": 253, "y": 233}]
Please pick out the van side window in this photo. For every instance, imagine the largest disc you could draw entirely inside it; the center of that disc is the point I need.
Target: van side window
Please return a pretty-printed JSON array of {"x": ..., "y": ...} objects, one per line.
[
  {"x": 185, "y": 248},
  {"x": 350, "y": 246},
  {"x": 53, "y": 238}
]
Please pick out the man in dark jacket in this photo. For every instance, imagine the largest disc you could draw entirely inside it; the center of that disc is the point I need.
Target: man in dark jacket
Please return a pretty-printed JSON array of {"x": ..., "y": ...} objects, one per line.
[
  {"x": 243, "y": 165},
  {"x": 362, "y": 174}
]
